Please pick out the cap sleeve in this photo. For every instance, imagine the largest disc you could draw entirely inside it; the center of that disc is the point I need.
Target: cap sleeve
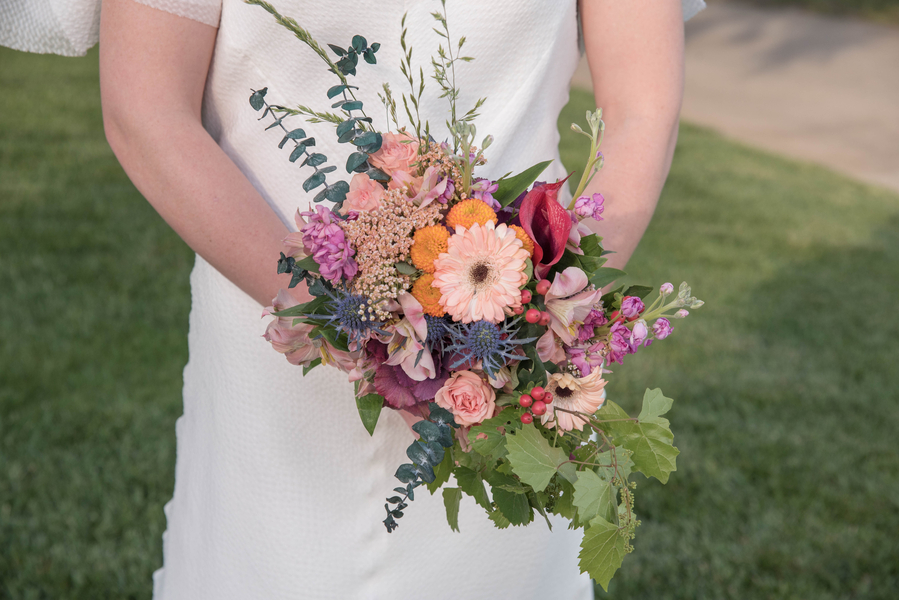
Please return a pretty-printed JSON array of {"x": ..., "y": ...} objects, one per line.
[
  {"x": 71, "y": 27},
  {"x": 691, "y": 7}
]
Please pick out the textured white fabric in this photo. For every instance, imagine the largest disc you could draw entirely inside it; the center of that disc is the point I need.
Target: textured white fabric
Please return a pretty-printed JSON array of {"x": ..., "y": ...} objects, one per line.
[
  {"x": 71, "y": 27},
  {"x": 691, "y": 7}
]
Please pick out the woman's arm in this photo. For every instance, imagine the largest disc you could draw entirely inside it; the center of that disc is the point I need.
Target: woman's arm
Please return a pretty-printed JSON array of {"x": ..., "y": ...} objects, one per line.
[
  {"x": 635, "y": 50},
  {"x": 153, "y": 68}
]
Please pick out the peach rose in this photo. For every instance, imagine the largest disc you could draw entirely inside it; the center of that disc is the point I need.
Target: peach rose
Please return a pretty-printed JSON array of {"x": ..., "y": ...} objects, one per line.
[
  {"x": 365, "y": 194},
  {"x": 397, "y": 153},
  {"x": 468, "y": 397}
]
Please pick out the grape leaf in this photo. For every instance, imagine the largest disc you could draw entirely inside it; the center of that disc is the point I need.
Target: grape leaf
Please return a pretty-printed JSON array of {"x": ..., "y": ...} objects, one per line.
[
  {"x": 602, "y": 551},
  {"x": 534, "y": 460},
  {"x": 594, "y": 497},
  {"x": 442, "y": 472},
  {"x": 451, "y": 498},
  {"x": 369, "y": 410},
  {"x": 493, "y": 446},
  {"x": 472, "y": 484}
]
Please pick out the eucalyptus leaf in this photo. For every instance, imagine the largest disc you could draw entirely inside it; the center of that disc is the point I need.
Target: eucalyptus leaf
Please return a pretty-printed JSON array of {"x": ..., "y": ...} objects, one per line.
[
  {"x": 367, "y": 138},
  {"x": 292, "y": 135},
  {"x": 353, "y": 105},
  {"x": 406, "y": 473},
  {"x": 297, "y": 152},
  {"x": 313, "y": 182},
  {"x": 316, "y": 159},
  {"x": 337, "y": 50},
  {"x": 359, "y": 43},
  {"x": 355, "y": 160},
  {"x": 257, "y": 99},
  {"x": 337, "y": 89},
  {"x": 345, "y": 126}
]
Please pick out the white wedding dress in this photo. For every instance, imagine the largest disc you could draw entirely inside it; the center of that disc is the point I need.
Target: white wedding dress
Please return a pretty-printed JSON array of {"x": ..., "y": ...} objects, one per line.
[{"x": 279, "y": 491}]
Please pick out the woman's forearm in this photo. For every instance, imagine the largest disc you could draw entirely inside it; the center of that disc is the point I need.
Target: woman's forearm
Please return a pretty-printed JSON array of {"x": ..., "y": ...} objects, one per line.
[{"x": 153, "y": 68}]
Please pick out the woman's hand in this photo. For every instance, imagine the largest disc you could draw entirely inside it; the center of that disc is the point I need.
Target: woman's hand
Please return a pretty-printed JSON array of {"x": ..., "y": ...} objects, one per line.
[
  {"x": 636, "y": 54},
  {"x": 153, "y": 68}
]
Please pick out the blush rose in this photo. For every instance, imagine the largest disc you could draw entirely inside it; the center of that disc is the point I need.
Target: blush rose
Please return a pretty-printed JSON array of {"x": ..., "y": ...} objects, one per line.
[
  {"x": 468, "y": 397},
  {"x": 397, "y": 153},
  {"x": 364, "y": 195}
]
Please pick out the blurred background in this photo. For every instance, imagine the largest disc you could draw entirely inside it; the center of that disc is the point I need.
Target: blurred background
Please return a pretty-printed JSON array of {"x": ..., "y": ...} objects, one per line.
[{"x": 781, "y": 210}]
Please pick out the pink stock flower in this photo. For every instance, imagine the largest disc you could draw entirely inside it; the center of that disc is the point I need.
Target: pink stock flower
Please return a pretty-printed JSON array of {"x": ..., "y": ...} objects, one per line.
[
  {"x": 480, "y": 274},
  {"x": 578, "y": 230},
  {"x": 290, "y": 340},
  {"x": 661, "y": 329},
  {"x": 596, "y": 318},
  {"x": 483, "y": 189},
  {"x": 666, "y": 288},
  {"x": 324, "y": 239},
  {"x": 587, "y": 359},
  {"x": 397, "y": 153},
  {"x": 619, "y": 344},
  {"x": 569, "y": 302},
  {"x": 631, "y": 307},
  {"x": 365, "y": 194},
  {"x": 638, "y": 335},
  {"x": 590, "y": 207},
  {"x": 582, "y": 395},
  {"x": 468, "y": 397}
]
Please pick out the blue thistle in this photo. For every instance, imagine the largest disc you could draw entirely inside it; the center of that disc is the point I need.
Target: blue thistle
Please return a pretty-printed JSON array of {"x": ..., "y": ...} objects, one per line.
[
  {"x": 350, "y": 314},
  {"x": 436, "y": 332},
  {"x": 494, "y": 346}
]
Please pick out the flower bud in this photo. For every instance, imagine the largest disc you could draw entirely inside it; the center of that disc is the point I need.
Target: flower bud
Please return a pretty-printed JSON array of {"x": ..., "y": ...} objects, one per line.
[
  {"x": 681, "y": 314},
  {"x": 661, "y": 329},
  {"x": 666, "y": 288},
  {"x": 697, "y": 304},
  {"x": 486, "y": 143}
]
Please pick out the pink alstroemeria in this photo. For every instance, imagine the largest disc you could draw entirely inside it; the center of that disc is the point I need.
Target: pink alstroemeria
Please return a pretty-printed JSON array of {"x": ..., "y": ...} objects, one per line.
[
  {"x": 548, "y": 349},
  {"x": 406, "y": 348},
  {"x": 290, "y": 340},
  {"x": 569, "y": 303},
  {"x": 293, "y": 243},
  {"x": 432, "y": 187}
]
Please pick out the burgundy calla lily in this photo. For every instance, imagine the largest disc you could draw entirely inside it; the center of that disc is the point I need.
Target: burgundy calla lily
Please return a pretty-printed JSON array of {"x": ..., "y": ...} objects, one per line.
[{"x": 547, "y": 223}]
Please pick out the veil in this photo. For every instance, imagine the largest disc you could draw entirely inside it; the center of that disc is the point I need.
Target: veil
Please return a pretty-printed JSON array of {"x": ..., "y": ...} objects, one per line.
[{"x": 71, "y": 27}]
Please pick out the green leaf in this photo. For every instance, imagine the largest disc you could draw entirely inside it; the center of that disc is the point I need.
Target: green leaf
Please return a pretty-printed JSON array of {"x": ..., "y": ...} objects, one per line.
[
  {"x": 256, "y": 99},
  {"x": 355, "y": 160},
  {"x": 292, "y": 135},
  {"x": 649, "y": 438},
  {"x": 602, "y": 551},
  {"x": 509, "y": 188},
  {"x": 451, "y": 498},
  {"x": 353, "y": 105},
  {"x": 297, "y": 152},
  {"x": 515, "y": 507},
  {"x": 315, "y": 159},
  {"x": 594, "y": 497},
  {"x": 640, "y": 291},
  {"x": 299, "y": 310},
  {"x": 308, "y": 264},
  {"x": 493, "y": 446},
  {"x": 591, "y": 245},
  {"x": 606, "y": 275},
  {"x": 534, "y": 460},
  {"x": 655, "y": 404},
  {"x": 472, "y": 484},
  {"x": 337, "y": 89},
  {"x": 498, "y": 519},
  {"x": 442, "y": 471},
  {"x": 311, "y": 366},
  {"x": 313, "y": 182},
  {"x": 369, "y": 407},
  {"x": 538, "y": 371},
  {"x": 405, "y": 268}
]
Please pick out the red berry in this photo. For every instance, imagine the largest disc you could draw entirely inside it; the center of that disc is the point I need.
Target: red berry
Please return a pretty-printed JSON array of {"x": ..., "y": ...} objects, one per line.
[
  {"x": 518, "y": 310},
  {"x": 537, "y": 393},
  {"x": 547, "y": 398},
  {"x": 543, "y": 286},
  {"x": 526, "y": 296},
  {"x": 532, "y": 315},
  {"x": 544, "y": 319},
  {"x": 528, "y": 418},
  {"x": 614, "y": 315},
  {"x": 525, "y": 401},
  {"x": 539, "y": 408}
]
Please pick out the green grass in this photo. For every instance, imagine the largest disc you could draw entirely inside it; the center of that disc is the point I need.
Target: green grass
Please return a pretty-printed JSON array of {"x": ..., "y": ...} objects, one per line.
[
  {"x": 885, "y": 11},
  {"x": 785, "y": 408}
]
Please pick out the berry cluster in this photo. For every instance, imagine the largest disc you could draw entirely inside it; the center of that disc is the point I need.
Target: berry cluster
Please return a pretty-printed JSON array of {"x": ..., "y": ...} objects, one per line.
[
  {"x": 535, "y": 402},
  {"x": 533, "y": 315}
]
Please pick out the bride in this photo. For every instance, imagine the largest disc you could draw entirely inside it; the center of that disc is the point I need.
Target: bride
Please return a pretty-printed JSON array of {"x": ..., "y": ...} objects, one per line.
[{"x": 279, "y": 490}]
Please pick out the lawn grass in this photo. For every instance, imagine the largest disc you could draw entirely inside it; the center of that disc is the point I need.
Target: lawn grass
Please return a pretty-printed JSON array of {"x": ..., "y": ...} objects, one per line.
[
  {"x": 785, "y": 412},
  {"x": 884, "y": 11}
]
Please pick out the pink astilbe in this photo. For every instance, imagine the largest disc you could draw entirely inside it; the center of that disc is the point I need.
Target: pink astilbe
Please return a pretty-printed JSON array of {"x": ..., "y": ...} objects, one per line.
[{"x": 324, "y": 239}]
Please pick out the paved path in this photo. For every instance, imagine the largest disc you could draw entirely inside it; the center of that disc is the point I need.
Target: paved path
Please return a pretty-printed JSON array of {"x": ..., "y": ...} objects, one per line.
[{"x": 811, "y": 87}]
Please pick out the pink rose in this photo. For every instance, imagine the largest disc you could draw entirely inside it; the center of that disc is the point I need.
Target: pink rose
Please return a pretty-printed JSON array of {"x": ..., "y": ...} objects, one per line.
[
  {"x": 365, "y": 194},
  {"x": 468, "y": 397},
  {"x": 398, "y": 152}
]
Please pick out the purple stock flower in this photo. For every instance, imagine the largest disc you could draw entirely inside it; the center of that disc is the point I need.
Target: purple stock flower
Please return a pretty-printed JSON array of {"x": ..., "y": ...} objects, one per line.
[
  {"x": 619, "y": 344},
  {"x": 595, "y": 318},
  {"x": 631, "y": 307},
  {"x": 590, "y": 207},
  {"x": 447, "y": 194},
  {"x": 666, "y": 288},
  {"x": 586, "y": 359},
  {"x": 325, "y": 241},
  {"x": 681, "y": 314},
  {"x": 638, "y": 335},
  {"x": 661, "y": 329},
  {"x": 483, "y": 189}
]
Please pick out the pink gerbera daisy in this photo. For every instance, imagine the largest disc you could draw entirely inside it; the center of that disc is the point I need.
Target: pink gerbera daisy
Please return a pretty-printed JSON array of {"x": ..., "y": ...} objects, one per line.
[
  {"x": 579, "y": 394},
  {"x": 480, "y": 274}
]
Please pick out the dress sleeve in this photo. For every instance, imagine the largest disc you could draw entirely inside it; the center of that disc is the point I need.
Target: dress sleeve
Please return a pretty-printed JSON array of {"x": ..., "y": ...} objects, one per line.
[
  {"x": 691, "y": 7},
  {"x": 71, "y": 27}
]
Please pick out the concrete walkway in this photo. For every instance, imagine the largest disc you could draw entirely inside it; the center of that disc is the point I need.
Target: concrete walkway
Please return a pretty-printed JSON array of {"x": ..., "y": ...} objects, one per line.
[{"x": 816, "y": 88}]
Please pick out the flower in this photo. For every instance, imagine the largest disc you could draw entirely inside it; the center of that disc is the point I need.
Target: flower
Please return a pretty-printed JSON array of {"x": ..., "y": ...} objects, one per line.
[
  {"x": 681, "y": 314},
  {"x": 431, "y": 186},
  {"x": 548, "y": 348},
  {"x": 638, "y": 335},
  {"x": 365, "y": 194},
  {"x": 468, "y": 212},
  {"x": 468, "y": 397},
  {"x": 349, "y": 313},
  {"x": 526, "y": 240},
  {"x": 324, "y": 239},
  {"x": 406, "y": 347},
  {"x": 293, "y": 242},
  {"x": 582, "y": 395},
  {"x": 428, "y": 296},
  {"x": 631, "y": 306},
  {"x": 666, "y": 288},
  {"x": 399, "y": 390},
  {"x": 428, "y": 244},
  {"x": 619, "y": 344},
  {"x": 547, "y": 223},
  {"x": 590, "y": 207},
  {"x": 481, "y": 272},
  {"x": 661, "y": 329},
  {"x": 291, "y": 340},
  {"x": 587, "y": 359},
  {"x": 569, "y": 301},
  {"x": 397, "y": 153},
  {"x": 483, "y": 189},
  {"x": 486, "y": 343},
  {"x": 596, "y": 318}
]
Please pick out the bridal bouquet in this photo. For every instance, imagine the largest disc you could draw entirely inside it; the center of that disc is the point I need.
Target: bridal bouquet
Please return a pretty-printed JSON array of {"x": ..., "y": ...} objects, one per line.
[{"x": 475, "y": 305}]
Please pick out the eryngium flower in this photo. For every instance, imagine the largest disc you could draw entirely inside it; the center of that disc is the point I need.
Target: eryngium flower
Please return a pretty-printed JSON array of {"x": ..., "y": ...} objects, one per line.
[
  {"x": 324, "y": 239},
  {"x": 483, "y": 341},
  {"x": 350, "y": 314}
]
